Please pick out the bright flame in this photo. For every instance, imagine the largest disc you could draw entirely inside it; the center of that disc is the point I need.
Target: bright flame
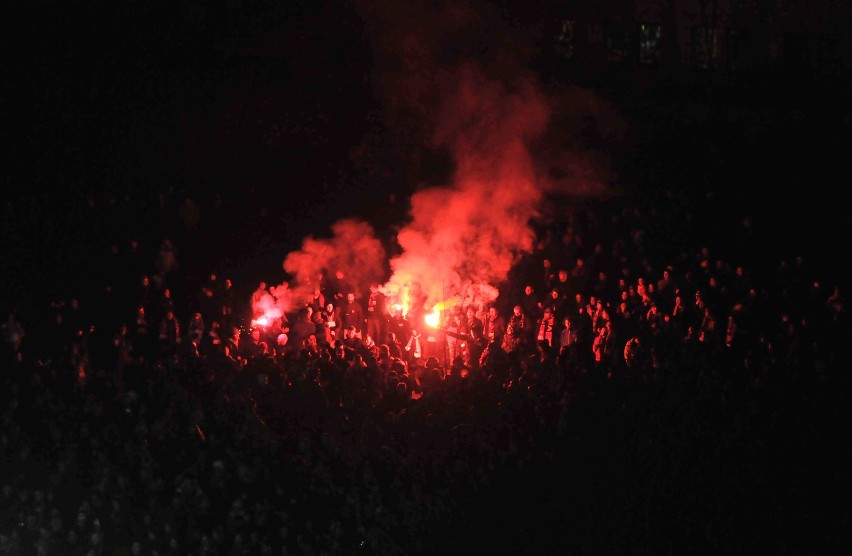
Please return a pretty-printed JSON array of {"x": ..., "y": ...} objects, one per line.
[
  {"x": 266, "y": 319},
  {"x": 261, "y": 321},
  {"x": 433, "y": 318}
]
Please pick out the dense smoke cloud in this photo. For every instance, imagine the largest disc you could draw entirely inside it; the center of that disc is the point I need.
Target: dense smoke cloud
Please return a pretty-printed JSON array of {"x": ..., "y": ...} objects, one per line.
[
  {"x": 352, "y": 250},
  {"x": 466, "y": 236},
  {"x": 489, "y": 113}
]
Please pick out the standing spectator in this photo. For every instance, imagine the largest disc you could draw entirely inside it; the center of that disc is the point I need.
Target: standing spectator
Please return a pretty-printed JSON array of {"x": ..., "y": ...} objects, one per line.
[
  {"x": 494, "y": 326},
  {"x": 557, "y": 304},
  {"x": 317, "y": 302},
  {"x": 397, "y": 324},
  {"x": 232, "y": 343},
  {"x": 325, "y": 339},
  {"x": 352, "y": 314},
  {"x": 567, "y": 339},
  {"x": 226, "y": 299},
  {"x": 169, "y": 333},
  {"x": 301, "y": 329},
  {"x": 195, "y": 329},
  {"x": 514, "y": 340},
  {"x": 454, "y": 328},
  {"x": 376, "y": 314},
  {"x": 545, "y": 328},
  {"x": 332, "y": 321},
  {"x": 562, "y": 285},
  {"x": 475, "y": 345},
  {"x": 531, "y": 303}
]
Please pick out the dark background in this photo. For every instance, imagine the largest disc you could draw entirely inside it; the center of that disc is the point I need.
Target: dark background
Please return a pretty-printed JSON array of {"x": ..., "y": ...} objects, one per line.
[{"x": 268, "y": 116}]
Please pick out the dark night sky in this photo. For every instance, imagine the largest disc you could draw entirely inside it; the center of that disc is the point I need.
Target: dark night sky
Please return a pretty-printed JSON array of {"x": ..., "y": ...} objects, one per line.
[
  {"x": 121, "y": 99},
  {"x": 288, "y": 107}
]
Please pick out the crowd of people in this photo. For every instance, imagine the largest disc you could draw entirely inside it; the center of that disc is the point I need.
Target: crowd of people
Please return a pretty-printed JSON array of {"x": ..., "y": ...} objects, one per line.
[{"x": 608, "y": 388}]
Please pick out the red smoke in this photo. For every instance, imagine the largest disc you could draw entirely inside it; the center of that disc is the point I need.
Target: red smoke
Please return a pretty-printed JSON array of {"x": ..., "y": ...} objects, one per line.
[
  {"x": 462, "y": 239},
  {"x": 459, "y": 240}
]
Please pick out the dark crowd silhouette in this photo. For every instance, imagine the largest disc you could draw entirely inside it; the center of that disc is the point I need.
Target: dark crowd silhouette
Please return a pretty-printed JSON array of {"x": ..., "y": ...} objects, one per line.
[{"x": 633, "y": 390}]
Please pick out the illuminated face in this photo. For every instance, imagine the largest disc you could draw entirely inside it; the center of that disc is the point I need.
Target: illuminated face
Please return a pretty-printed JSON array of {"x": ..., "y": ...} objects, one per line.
[{"x": 350, "y": 297}]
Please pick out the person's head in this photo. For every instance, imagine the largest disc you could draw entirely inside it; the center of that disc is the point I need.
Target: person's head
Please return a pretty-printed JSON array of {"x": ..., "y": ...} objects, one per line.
[
  {"x": 563, "y": 275},
  {"x": 492, "y": 312},
  {"x": 517, "y": 310},
  {"x": 528, "y": 289},
  {"x": 350, "y": 297}
]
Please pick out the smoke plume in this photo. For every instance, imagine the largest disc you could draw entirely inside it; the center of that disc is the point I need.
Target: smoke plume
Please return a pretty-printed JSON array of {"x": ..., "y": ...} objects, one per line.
[{"x": 460, "y": 239}]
